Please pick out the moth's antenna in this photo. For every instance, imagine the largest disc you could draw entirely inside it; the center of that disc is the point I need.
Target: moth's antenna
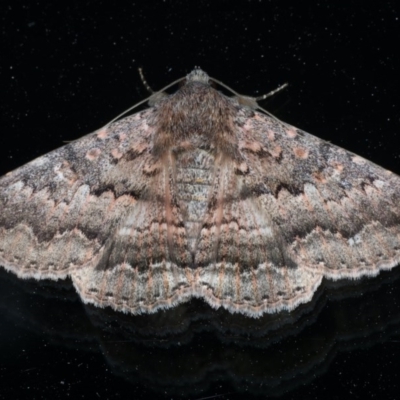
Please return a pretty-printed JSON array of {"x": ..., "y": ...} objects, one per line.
[
  {"x": 263, "y": 97},
  {"x": 126, "y": 111},
  {"x": 278, "y": 89},
  {"x": 145, "y": 84},
  {"x": 252, "y": 101},
  {"x": 146, "y": 99},
  {"x": 225, "y": 86}
]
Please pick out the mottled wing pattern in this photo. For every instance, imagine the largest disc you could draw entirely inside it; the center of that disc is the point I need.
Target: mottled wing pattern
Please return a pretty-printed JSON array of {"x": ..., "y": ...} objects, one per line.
[
  {"x": 145, "y": 264},
  {"x": 199, "y": 196},
  {"x": 72, "y": 212},
  {"x": 138, "y": 270},
  {"x": 298, "y": 209}
]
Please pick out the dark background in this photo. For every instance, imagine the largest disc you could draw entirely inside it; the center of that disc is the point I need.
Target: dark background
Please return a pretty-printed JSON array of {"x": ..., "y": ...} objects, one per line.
[{"x": 66, "y": 70}]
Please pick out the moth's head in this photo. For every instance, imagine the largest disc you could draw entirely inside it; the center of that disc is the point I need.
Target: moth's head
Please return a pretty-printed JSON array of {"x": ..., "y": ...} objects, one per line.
[{"x": 198, "y": 75}]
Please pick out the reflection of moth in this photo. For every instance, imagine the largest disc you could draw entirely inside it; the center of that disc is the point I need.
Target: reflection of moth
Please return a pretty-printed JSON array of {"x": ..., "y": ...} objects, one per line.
[{"x": 199, "y": 195}]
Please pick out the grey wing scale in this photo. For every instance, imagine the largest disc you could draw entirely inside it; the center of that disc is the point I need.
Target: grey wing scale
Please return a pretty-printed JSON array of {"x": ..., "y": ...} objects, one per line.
[
  {"x": 253, "y": 271},
  {"x": 58, "y": 210},
  {"x": 340, "y": 212},
  {"x": 146, "y": 264},
  {"x": 298, "y": 210},
  {"x": 73, "y": 213}
]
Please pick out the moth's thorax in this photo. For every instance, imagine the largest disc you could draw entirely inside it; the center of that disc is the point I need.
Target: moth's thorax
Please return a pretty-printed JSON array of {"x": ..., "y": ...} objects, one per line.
[{"x": 195, "y": 109}]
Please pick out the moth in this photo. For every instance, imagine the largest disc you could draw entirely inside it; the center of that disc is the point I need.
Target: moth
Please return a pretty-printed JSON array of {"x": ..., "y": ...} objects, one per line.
[{"x": 199, "y": 195}]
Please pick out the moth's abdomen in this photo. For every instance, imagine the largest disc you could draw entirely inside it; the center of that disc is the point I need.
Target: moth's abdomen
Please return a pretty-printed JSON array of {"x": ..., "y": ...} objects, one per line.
[{"x": 195, "y": 170}]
